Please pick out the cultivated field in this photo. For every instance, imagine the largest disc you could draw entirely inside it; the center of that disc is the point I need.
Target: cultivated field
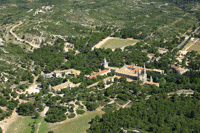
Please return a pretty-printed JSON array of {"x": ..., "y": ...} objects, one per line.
[{"x": 114, "y": 43}]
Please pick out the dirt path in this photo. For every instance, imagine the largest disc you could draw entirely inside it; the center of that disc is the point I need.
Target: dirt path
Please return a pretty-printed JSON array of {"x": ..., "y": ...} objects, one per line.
[
  {"x": 8, "y": 121},
  {"x": 38, "y": 127},
  {"x": 75, "y": 107},
  {"x": 111, "y": 102},
  {"x": 4, "y": 51},
  {"x": 11, "y": 31},
  {"x": 6, "y": 61},
  {"x": 126, "y": 104},
  {"x": 44, "y": 111},
  {"x": 84, "y": 107}
]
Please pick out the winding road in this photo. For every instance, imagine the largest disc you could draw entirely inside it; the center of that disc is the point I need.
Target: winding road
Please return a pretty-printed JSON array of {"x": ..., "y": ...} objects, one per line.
[{"x": 22, "y": 40}]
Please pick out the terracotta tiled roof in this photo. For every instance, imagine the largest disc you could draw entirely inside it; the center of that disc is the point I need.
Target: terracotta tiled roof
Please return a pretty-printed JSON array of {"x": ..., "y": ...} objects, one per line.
[
  {"x": 99, "y": 73},
  {"x": 131, "y": 67},
  {"x": 127, "y": 79},
  {"x": 176, "y": 67},
  {"x": 125, "y": 72},
  {"x": 137, "y": 69},
  {"x": 61, "y": 86},
  {"x": 149, "y": 69}
]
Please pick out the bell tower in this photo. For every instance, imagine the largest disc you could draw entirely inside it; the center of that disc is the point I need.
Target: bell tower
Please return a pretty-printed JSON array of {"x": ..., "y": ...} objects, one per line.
[
  {"x": 139, "y": 74},
  {"x": 105, "y": 63},
  {"x": 145, "y": 75}
]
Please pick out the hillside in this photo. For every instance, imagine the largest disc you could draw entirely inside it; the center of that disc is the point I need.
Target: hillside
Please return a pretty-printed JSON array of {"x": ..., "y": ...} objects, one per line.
[
  {"x": 146, "y": 19},
  {"x": 104, "y": 65}
]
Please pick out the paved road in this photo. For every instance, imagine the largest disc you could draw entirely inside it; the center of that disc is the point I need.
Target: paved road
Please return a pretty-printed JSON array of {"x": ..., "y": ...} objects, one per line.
[
  {"x": 11, "y": 31},
  {"x": 183, "y": 43}
]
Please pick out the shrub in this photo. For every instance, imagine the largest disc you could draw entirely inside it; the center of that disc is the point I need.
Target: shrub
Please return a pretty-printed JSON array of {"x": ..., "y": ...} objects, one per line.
[
  {"x": 26, "y": 109},
  {"x": 71, "y": 116},
  {"x": 56, "y": 114},
  {"x": 80, "y": 112},
  {"x": 71, "y": 109},
  {"x": 91, "y": 106}
]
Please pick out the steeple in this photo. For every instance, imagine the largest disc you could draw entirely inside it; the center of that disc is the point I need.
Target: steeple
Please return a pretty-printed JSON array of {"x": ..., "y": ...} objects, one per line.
[
  {"x": 151, "y": 79},
  {"x": 105, "y": 63},
  {"x": 145, "y": 75},
  {"x": 145, "y": 70},
  {"x": 50, "y": 87},
  {"x": 139, "y": 72}
]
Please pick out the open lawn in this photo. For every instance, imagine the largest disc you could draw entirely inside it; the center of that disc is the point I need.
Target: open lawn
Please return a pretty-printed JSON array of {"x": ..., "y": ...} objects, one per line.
[
  {"x": 76, "y": 125},
  {"x": 193, "y": 45},
  {"x": 116, "y": 43},
  {"x": 23, "y": 125}
]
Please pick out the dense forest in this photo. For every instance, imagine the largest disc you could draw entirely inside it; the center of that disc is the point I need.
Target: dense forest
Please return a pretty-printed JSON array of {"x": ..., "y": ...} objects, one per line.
[
  {"x": 158, "y": 114},
  {"x": 48, "y": 57}
]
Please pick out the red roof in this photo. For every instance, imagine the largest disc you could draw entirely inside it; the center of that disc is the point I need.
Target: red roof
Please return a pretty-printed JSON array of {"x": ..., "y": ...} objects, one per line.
[
  {"x": 149, "y": 69},
  {"x": 136, "y": 69},
  {"x": 99, "y": 73},
  {"x": 176, "y": 67},
  {"x": 131, "y": 67}
]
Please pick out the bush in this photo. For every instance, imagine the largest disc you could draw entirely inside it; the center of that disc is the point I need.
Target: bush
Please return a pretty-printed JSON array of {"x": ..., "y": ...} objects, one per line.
[
  {"x": 14, "y": 94},
  {"x": 77, "y": 103},
  {"x": 52, "y": 118},
  {"x": 80, "y": 112},
  {"x": 71, "y": 116},
  {"x": 41, "y": 108},
  {"x": 91, "y": 106},
  {"x": 26, "y": 109},
  {"x": 71, "y": 109},
  {"x": 56, "y": 114}
]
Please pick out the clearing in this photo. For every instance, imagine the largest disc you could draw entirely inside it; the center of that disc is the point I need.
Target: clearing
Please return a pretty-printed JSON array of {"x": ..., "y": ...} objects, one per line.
[
  {"x": 193, "y": 45},
  {"x": 75, "y": 125},
  {"x": 114, "y": 43},
  {"x": 23, "y": 125}
]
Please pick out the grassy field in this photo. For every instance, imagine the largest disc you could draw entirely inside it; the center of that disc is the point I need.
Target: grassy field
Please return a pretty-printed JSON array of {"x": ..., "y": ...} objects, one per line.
[
  {"x": 23, "y": 125},
  {"x": 116, "y": 43},
  {"x": 195, "y": 46},
  {"x": 76, "y": 125}
]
